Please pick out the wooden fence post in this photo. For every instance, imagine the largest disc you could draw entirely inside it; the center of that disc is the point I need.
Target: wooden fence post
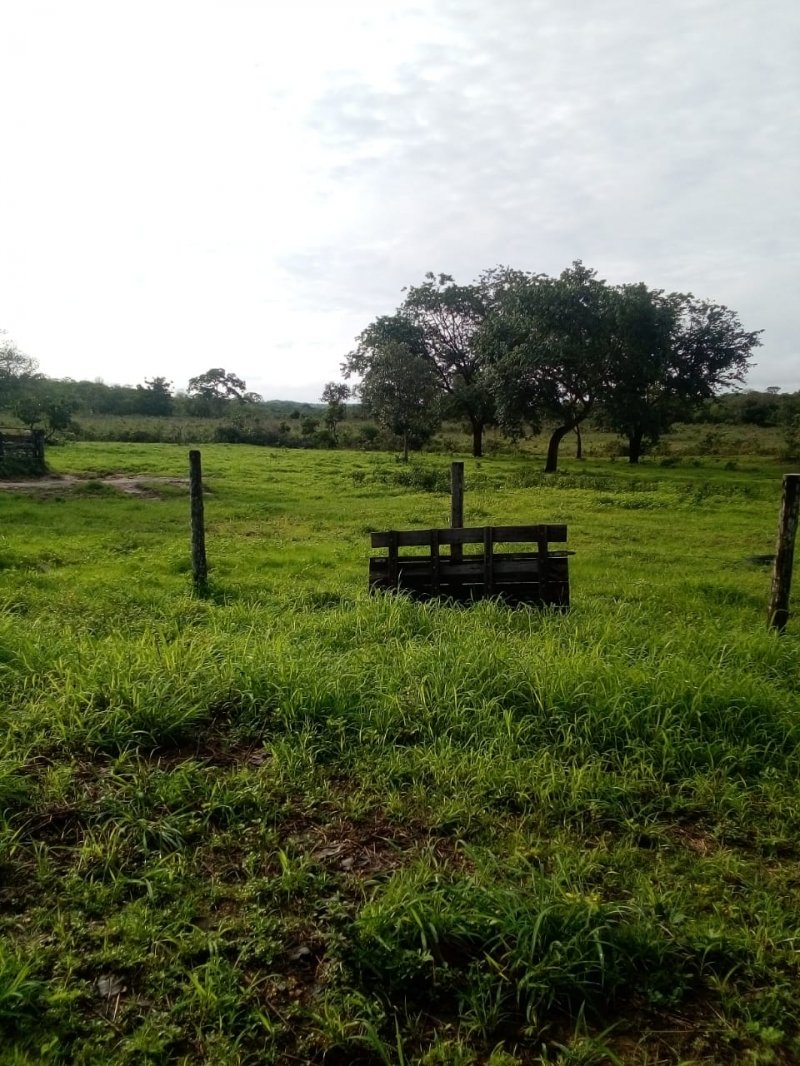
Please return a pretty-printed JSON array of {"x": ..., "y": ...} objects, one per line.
[
  {"x": 199, "y": 563},
  {"x": 778, "y": 614},
  {"x": 456, "y": 506}
]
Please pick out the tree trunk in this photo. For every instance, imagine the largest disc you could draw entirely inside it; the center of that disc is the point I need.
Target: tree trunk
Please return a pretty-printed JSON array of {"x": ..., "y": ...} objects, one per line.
[
  {"x": 405, "y": 447},
  {"x": 477, "y": 439},
  {"x": 578, "y": 443},
  {"x": 635, "y": 446},
  {"x": 551, "y": 466}
]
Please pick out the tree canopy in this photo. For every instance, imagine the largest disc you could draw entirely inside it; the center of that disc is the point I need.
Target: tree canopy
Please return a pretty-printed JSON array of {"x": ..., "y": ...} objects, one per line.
[
  {"x": 217, "y": 383},
  {"x": 448, "y": 318},
  {"x": 673, "y": 352},
  {"x": 17, "y": 370},
  {"x": 520, "y": 350},
  {"x": 335, "y": 395},
  {"x": 549, "y": 344},
  {"x": 216, "y": 386},
  {"x": 398, "y": 383}
]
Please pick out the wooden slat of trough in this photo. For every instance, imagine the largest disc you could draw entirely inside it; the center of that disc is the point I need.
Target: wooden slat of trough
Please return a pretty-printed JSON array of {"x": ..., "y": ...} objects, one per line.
[
  {"x": 469, "y": 566},
  {"x": 415, "y": 582},
  {"x": 529, "y": 534},
  {"x": 418, "y": 586},
  {"x": 418, "y": 579},
  {"x": 472, "y": 535}
]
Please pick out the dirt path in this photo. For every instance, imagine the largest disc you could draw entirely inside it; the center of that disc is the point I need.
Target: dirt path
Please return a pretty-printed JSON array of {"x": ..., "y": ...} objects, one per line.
[{"x": 132, "y": 486}]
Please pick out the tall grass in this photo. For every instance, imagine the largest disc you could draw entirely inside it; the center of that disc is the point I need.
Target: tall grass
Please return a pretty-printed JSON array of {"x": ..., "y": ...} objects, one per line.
[{"x": 295, "y": 823}]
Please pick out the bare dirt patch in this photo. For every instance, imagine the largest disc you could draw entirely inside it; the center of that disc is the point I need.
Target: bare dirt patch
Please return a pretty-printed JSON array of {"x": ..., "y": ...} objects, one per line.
[
  {"x": 130, "y": 486},
  {"x": 374, "y": 846}
]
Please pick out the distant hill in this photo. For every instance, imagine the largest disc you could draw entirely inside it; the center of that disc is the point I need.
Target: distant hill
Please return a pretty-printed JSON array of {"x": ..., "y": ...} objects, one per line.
[{"x": 283, "y": 408}]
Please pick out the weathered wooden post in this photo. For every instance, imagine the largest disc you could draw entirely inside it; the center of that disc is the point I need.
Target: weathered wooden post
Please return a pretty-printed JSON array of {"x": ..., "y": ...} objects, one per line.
[
  {"x": 778, "y": 614},
  {"x": 38, "y": 444},
  {"x": 199, "y": 563},
  {"x": 456, "y": 506}
]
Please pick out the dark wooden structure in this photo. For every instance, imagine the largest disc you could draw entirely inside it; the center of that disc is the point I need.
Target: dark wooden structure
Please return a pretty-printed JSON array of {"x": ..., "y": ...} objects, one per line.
[
  {"x": 538, "y": 577},
  {"x": 22, "y": 445},
  {"x": 22, "y": 454}
]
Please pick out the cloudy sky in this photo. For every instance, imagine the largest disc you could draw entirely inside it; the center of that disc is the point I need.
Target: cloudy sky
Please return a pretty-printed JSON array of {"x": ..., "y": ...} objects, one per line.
[{"x": 247, "y": 183}]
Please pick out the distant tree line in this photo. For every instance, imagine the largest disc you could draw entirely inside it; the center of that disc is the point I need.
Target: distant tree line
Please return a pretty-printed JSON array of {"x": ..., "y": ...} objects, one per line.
[
  {"x": 222, "y": 397},
  {"x": 513, "y": 350},
  {"x": 769, "y": 407},
  {"x": 520, "y": 350},
  {"x": 50, "y": 403}
]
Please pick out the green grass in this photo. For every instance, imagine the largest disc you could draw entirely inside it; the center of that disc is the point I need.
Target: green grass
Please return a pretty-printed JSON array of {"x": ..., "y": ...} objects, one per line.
[{"x": 292, "y": 823}]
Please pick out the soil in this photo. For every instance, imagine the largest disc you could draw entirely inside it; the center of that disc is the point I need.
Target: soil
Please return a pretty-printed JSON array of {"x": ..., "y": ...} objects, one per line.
[{"x": 132, "y": 486}]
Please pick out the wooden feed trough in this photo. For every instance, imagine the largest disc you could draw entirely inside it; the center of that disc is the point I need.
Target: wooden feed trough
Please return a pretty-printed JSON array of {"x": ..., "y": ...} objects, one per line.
[
  {"x": 538, "y": 577},
  {"x": 22, "y": 445}
]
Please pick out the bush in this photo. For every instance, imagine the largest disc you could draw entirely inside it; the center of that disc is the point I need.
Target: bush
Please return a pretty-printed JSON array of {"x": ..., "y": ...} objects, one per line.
[
  {"x": 791, "y": 439},
  {"x": 421, "y": 478},
  {"x": 323, "y": 438},
  {"x": 368, "y": 437},
  {"x": 255, "y": 433}
]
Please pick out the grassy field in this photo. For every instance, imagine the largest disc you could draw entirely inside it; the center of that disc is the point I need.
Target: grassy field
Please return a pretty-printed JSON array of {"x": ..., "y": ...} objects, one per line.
[{"x": 290, "y": 823}]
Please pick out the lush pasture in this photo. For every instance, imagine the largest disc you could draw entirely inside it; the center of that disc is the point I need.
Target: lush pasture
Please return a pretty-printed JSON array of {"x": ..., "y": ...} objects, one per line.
[{"x": 290, "y": 823}]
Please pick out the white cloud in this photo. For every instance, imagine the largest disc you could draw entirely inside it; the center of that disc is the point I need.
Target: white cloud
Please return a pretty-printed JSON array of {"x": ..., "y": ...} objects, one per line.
[{"x": 247, "y": 184}]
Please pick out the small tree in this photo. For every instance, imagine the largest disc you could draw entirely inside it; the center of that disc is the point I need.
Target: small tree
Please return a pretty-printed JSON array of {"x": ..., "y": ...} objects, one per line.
[
  {"x": 17, "y": 370},
  {"x": 30, "y": 410},
  {"x": 672, "y": 353},
  {"x": 399, "y": 388},
  {"x": 51, "y": 414},
  {"x": 334, "y": 395}
]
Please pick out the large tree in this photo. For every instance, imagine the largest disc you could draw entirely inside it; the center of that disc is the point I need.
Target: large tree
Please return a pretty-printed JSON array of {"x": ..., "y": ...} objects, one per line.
[
  {"x": 448, "y": 318},
  {"x": 398, "y": 384},
  {"x": 215, "y": 387},
  {"x": 217, "y": 383},
  {"x": 550, "y": 345},
  {"x": 672, "y": 353}
]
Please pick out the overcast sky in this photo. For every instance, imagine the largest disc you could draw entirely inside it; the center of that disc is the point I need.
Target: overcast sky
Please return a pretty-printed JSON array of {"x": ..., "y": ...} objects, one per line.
[{"x": 198, "y": 183}]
